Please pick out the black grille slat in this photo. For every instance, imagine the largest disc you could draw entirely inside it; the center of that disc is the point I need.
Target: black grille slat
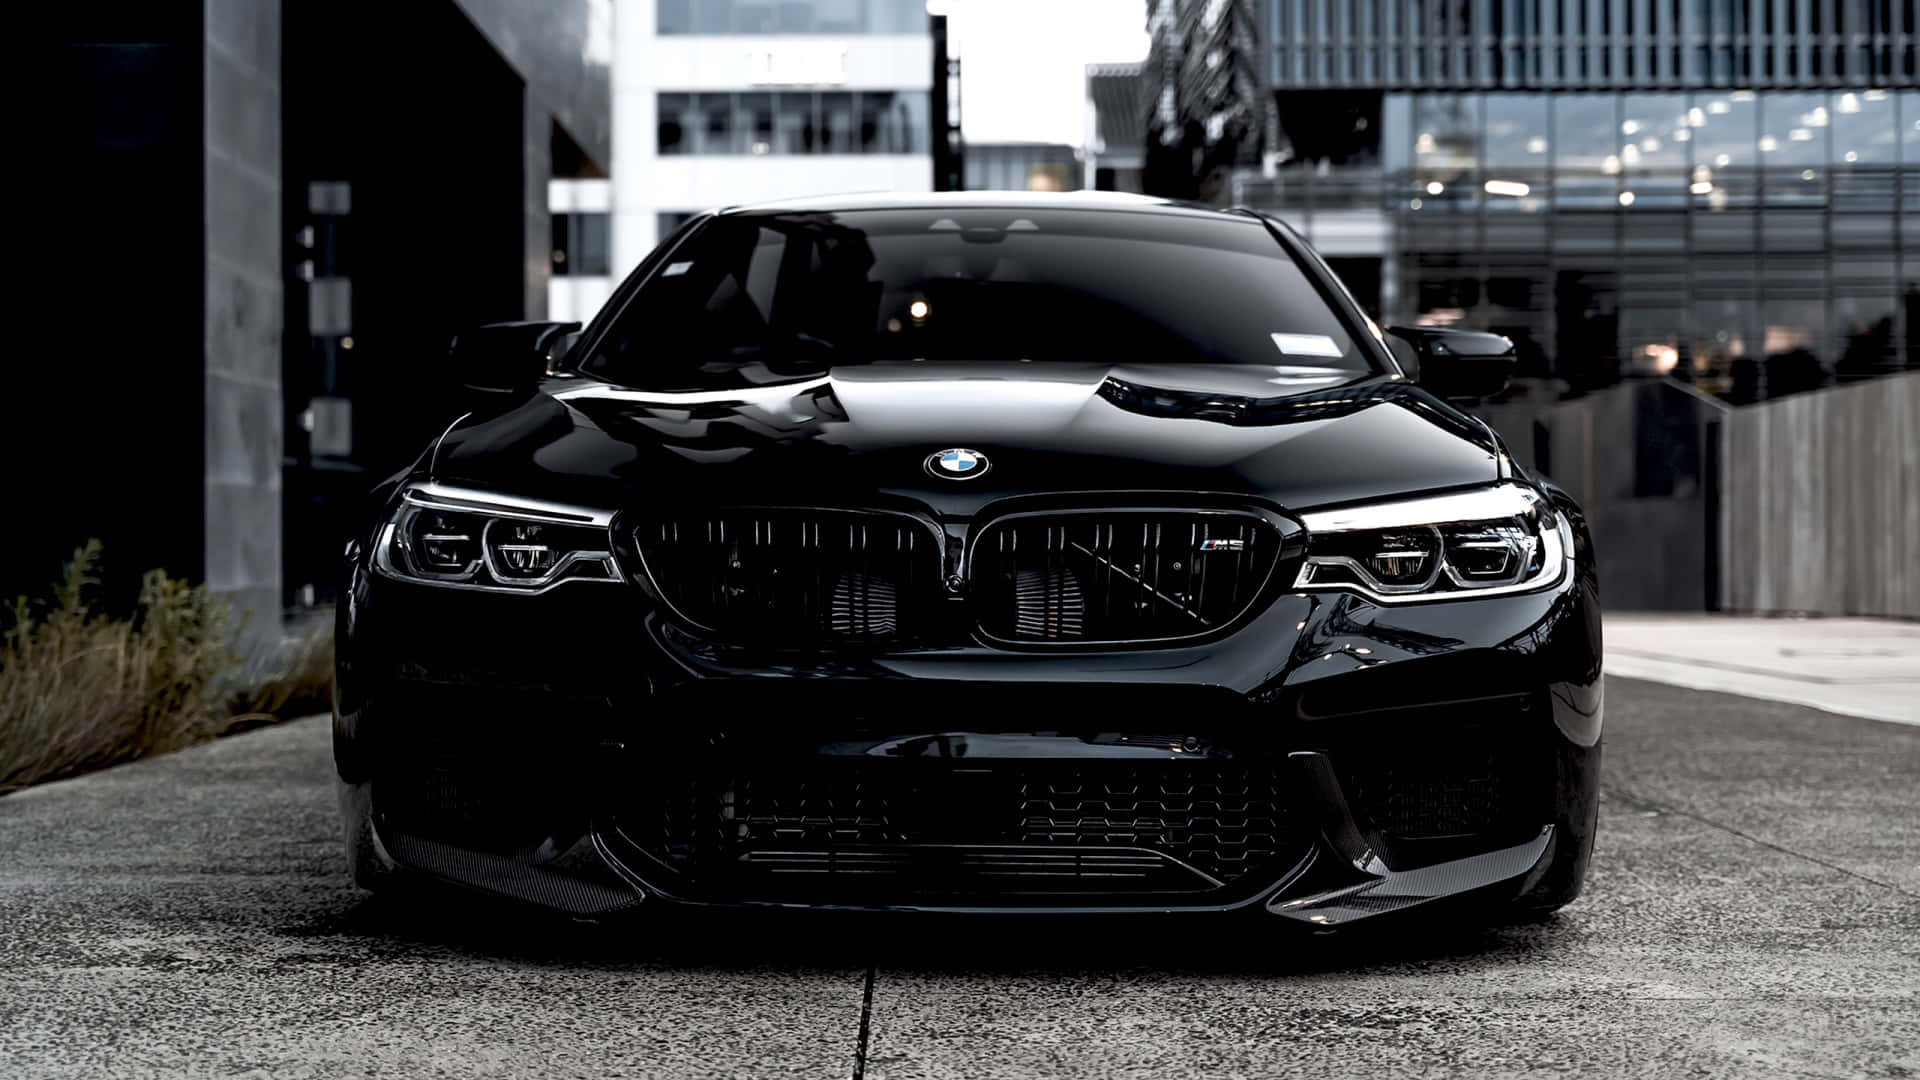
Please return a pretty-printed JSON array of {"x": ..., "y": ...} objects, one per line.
[
  {"x": 795, "y": 577},
  {"x": 1120, "y": 575},
  {"x": 813, "y": 578}
]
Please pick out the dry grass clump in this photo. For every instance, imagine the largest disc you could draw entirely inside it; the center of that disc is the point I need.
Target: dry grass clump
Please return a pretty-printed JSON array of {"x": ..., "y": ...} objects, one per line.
[{"x": 80, "y": 690}]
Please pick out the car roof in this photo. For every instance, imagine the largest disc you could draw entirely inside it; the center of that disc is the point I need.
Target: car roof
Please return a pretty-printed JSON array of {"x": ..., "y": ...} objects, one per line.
[{"x": 961, "y": 200}]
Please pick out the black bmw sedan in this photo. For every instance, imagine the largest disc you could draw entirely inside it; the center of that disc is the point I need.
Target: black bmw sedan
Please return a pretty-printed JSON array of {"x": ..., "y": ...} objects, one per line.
[{"x": 974, "y": 553}]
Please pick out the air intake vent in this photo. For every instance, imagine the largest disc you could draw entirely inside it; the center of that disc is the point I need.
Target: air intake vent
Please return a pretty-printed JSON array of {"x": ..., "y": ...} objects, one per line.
[
  {"x": 864, "y": 606},
  {"x": 1047, "y": 605},
  {"x": 1006, "y": 828},
  {"x": 795, "y": 577},
  {"x": 1119, "y": 575}
]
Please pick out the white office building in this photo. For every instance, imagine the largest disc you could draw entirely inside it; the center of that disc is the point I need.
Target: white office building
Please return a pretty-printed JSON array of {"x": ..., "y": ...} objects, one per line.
[{"x": 721, "y": 102}]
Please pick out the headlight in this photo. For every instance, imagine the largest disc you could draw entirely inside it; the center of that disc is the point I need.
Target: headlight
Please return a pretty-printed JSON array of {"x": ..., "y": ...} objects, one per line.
[
  {"x": 475, "y": 540},
  {"x": 1499, "y": 540}
]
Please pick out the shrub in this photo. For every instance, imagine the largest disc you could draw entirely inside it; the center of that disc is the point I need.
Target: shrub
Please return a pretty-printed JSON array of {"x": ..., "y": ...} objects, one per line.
[{"x": 81, "y": 690}]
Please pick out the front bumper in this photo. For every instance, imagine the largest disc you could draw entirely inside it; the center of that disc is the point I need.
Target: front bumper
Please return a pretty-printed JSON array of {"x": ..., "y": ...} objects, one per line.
[{"x": 1333, "y": 760}]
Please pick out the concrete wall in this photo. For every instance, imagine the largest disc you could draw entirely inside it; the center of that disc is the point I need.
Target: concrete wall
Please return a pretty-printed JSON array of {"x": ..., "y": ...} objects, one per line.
[
  {"x": 1821, "y": 502},
  {"x": 1635, "y": 457},
  {"x": 563, "y": 49},
  {"x": 537, "y": 229},
  {"x": 244, "y": 419}
]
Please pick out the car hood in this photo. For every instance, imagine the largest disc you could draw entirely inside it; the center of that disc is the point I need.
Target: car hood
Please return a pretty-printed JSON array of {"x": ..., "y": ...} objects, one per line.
[{"x": 1297, "y": 437}]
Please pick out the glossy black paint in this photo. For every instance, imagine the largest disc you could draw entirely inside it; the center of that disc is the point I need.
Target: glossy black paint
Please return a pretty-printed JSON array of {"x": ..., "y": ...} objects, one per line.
[{"x": 576, "y": 698}]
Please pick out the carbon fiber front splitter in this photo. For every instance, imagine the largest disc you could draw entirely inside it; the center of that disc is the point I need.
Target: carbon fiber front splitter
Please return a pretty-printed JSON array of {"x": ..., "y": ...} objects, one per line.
[{"x": 1347, "y": 875}]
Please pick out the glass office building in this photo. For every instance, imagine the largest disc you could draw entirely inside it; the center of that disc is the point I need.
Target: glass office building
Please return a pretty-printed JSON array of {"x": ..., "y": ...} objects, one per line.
[
  {"x": 726, "y": 102},
  {"x": 1724, "y": 191}
]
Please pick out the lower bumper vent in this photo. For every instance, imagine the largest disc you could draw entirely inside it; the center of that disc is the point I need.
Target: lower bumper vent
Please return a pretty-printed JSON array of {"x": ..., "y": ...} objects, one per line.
[{"x": 1016, "y": 827}]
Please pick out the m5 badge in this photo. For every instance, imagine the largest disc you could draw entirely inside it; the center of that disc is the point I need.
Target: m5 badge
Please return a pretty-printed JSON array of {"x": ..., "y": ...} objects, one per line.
[{"x": 1223, "y": 545}]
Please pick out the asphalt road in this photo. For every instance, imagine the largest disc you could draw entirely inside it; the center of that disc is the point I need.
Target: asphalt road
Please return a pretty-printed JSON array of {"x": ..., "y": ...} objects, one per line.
[{"x": 1754, "y": 908}]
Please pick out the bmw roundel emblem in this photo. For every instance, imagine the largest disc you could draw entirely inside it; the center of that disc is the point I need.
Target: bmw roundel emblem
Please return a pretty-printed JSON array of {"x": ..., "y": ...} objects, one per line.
[{"x": 957, "y": 463}]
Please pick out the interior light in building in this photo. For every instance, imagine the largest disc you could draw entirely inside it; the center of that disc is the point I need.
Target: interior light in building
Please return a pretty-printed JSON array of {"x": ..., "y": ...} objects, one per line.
[
  {"x": 1610, "y": 164},
  {"x": 762, "y": 148},
  {"x": 1701, "y": 172},
  {"x": 1414, "y": 205},
  {"x": 1683, "y": 135},
  {"x": 1816, "y": 118},
  {"x": 918, "y": 309},
  {"x": 1626, "y": 198},
  {"x": 1631, "y": 127},
  {"x": 1849, "y": 103},
  {"x": 1424, "y": 144},
  {"x": 1806, "y": 174},
  {"x": 1697, "y": 117},
  {"x": 1659, "y": 358},
  {"x": 1537, "y": 144},
  {"x": 1507, "y": 187},
  {"x": 1800, "y": 134},
  {"x": 1701, "y": 187},
  {"x": 1435, "y": 187},
  {"x": 1768, "y": 144},
  {"x": 1630, "y": 155},
  {"x": 1649, "y": 144},
  {"x": 1721, "y": 161},
  {"x": 1875, "y": 95},
  {"x": 1741, "y": 95},
  {"x": 1851, "y": 157},
  {"x": 1718, "y": 107},
  {"x": 347, "y": 342}
]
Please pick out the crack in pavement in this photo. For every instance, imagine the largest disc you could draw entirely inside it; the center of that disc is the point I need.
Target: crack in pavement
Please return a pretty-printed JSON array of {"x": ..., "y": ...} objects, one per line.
[
  {"x": 866, "y": 1026},
  {"x": 1627, "y": 795}
]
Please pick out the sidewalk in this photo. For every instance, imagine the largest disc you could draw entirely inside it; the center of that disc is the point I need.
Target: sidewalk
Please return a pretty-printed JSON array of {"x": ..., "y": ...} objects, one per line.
[{"x": 1857, "y": 667}]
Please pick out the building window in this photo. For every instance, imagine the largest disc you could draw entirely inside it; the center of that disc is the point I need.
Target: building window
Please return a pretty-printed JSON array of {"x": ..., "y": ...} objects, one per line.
[
  {"x": 665, "y": 223},
  {"x": 794, "y": 122},
  {"x": 791, "y": 17},
  {"x": 1750, "y": 242},
  {"x": 580, "y": 245}
]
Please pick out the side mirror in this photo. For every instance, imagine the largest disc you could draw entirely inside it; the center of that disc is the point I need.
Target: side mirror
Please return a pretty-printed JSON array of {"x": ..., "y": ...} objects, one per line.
[
  {"x": 506, "y": 358},
  {"x": 1455, "y": 364}
]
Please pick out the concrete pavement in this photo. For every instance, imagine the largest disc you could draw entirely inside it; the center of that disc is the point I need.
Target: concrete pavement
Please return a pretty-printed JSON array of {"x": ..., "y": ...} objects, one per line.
[
  {"x": 1754, "y": 907},
  {"x": 1856, "y": 667}
]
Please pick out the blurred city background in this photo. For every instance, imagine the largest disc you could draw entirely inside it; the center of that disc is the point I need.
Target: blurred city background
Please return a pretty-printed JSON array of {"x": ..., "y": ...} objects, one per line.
[{"x": 1698, "y": 219}]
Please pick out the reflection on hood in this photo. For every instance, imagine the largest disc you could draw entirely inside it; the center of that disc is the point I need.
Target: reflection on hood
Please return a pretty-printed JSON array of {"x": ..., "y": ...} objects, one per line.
[
  {"x": 1276, "y": 431},
  {"x": 1247, "y": 411}
]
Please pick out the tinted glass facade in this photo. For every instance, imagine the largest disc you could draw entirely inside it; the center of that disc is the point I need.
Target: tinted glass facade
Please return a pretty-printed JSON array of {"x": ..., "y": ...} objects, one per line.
[
  {"x": 791, "y": 16},
  {"x": 794, "y": 122},
  {"x": 1756, "y": 242},
  {"x": 1588, "y": 43},
  {"x": 1725, "y": 191},
  {"x": 1022, "y": 167}
]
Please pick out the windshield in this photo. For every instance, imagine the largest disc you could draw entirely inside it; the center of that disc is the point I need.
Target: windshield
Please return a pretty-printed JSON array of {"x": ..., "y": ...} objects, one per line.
[{"x": 752, "y": 299}]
